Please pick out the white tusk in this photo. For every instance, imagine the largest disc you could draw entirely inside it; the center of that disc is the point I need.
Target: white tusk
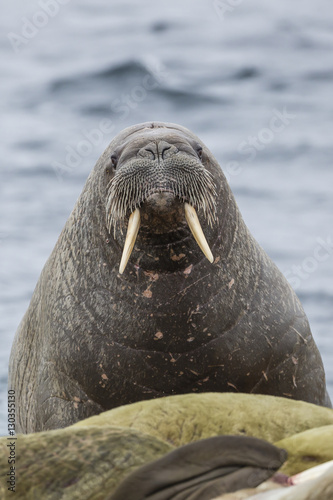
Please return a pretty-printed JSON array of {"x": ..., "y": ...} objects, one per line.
[
  {"x": 194, "y": 225},
  {"x": 132, "y": 232}
]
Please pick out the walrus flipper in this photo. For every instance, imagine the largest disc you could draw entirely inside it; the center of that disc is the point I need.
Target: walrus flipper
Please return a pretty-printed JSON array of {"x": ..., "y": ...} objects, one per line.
[{"x": 203, "y": 469}]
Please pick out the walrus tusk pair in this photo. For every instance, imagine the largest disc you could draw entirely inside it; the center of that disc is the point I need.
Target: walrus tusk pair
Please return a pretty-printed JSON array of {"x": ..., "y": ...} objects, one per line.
[{"x": 133, "y": 229}]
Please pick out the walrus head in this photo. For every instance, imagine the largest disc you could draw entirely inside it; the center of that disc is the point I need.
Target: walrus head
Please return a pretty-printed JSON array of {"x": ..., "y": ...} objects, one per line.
[{"x": 159, "y": 182}]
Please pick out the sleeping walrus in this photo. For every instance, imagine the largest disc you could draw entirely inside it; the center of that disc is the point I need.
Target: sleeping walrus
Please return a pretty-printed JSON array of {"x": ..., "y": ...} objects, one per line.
[{"x": 140, "y": 300}]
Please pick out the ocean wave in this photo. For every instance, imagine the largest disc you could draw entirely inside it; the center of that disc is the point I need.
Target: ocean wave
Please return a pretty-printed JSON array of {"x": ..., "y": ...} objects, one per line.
[{"x": 114, "y": 72}]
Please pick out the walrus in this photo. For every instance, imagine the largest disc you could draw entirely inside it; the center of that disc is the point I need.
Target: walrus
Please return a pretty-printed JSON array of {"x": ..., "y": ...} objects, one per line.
[
  {"x": 156, "y": 287},
  {"x": 110, "y": 463},
  {"x": 143, "y": 448}
]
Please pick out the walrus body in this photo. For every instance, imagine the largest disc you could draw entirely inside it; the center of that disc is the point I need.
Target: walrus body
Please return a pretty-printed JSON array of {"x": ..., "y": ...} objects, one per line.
[{"x": 172, "y": 322}]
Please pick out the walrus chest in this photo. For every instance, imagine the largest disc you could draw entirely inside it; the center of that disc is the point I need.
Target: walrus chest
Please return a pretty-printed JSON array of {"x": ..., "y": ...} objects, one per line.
[
  {"x": 160, "y": 340},
  {"x": 168, "y": 313},
  {"x": 115, "y": 373}
]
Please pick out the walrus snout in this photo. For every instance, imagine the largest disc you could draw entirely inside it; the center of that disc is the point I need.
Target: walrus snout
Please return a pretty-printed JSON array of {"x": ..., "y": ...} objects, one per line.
[{"x": 165, "y": 179}]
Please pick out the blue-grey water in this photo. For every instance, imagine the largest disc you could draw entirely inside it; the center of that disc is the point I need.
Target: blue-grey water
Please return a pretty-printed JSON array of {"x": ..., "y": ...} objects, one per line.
[{"x": 254, "y": 79}]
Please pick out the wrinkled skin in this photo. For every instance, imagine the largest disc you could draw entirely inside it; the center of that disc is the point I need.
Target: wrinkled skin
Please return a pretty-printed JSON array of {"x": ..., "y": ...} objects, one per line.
[
  {"x": 173, "y": 322},
  {"x": 118, "y": 463},
  {"x": 202, "y": 470}
]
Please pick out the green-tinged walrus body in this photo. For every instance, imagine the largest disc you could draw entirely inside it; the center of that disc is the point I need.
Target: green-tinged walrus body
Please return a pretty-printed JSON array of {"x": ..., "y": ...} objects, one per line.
[
  {"x": 143, "y": 448},
  {"x": 76, "y": 464},
  {"x": 171, "y": 321},
  {"x": 187, "y": 418},
  {"x": 92, "y": 463},
  {"x": 303, "y": 429}
]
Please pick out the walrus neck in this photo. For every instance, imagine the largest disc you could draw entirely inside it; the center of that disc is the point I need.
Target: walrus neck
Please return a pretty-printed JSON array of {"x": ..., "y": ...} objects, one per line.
[{"x": 168, "y": 250}]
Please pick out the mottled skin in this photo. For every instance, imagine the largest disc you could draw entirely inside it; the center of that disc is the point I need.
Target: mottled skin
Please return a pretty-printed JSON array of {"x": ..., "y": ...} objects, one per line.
[
  {"x": 76, "y": 464},
  {"x": 173, "y": 323}
]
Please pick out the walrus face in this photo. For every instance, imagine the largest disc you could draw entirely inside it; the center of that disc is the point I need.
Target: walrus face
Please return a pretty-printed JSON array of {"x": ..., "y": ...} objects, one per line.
[{"x": 159, "y": 181}]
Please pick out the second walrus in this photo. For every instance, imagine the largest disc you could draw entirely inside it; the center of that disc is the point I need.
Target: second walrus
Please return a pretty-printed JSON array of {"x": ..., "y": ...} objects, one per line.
[{"x": 140, "y": 300}]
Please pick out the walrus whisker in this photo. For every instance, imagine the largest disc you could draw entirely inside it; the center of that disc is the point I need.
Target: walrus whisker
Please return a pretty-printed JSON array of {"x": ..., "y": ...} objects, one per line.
[
  {"x": 132, "y": 232},
  {"x": 196, "y": 230},
  {"x": 131, "y": 186}
]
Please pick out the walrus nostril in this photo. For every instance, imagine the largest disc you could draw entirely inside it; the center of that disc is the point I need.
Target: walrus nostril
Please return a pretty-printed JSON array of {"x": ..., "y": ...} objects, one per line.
[
  {"x": 157, "y": 150},
  {"x": 164, "y": 151}
]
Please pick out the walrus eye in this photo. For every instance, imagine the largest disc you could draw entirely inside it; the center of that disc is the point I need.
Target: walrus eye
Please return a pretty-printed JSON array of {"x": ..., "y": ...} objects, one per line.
[
  {"x": 114, "y": 160},
  {"x": 199, "y": 152}
]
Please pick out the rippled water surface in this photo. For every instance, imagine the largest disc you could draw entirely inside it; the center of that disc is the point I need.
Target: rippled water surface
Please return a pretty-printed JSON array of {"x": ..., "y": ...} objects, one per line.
[{"x": 253, "y": 81}]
